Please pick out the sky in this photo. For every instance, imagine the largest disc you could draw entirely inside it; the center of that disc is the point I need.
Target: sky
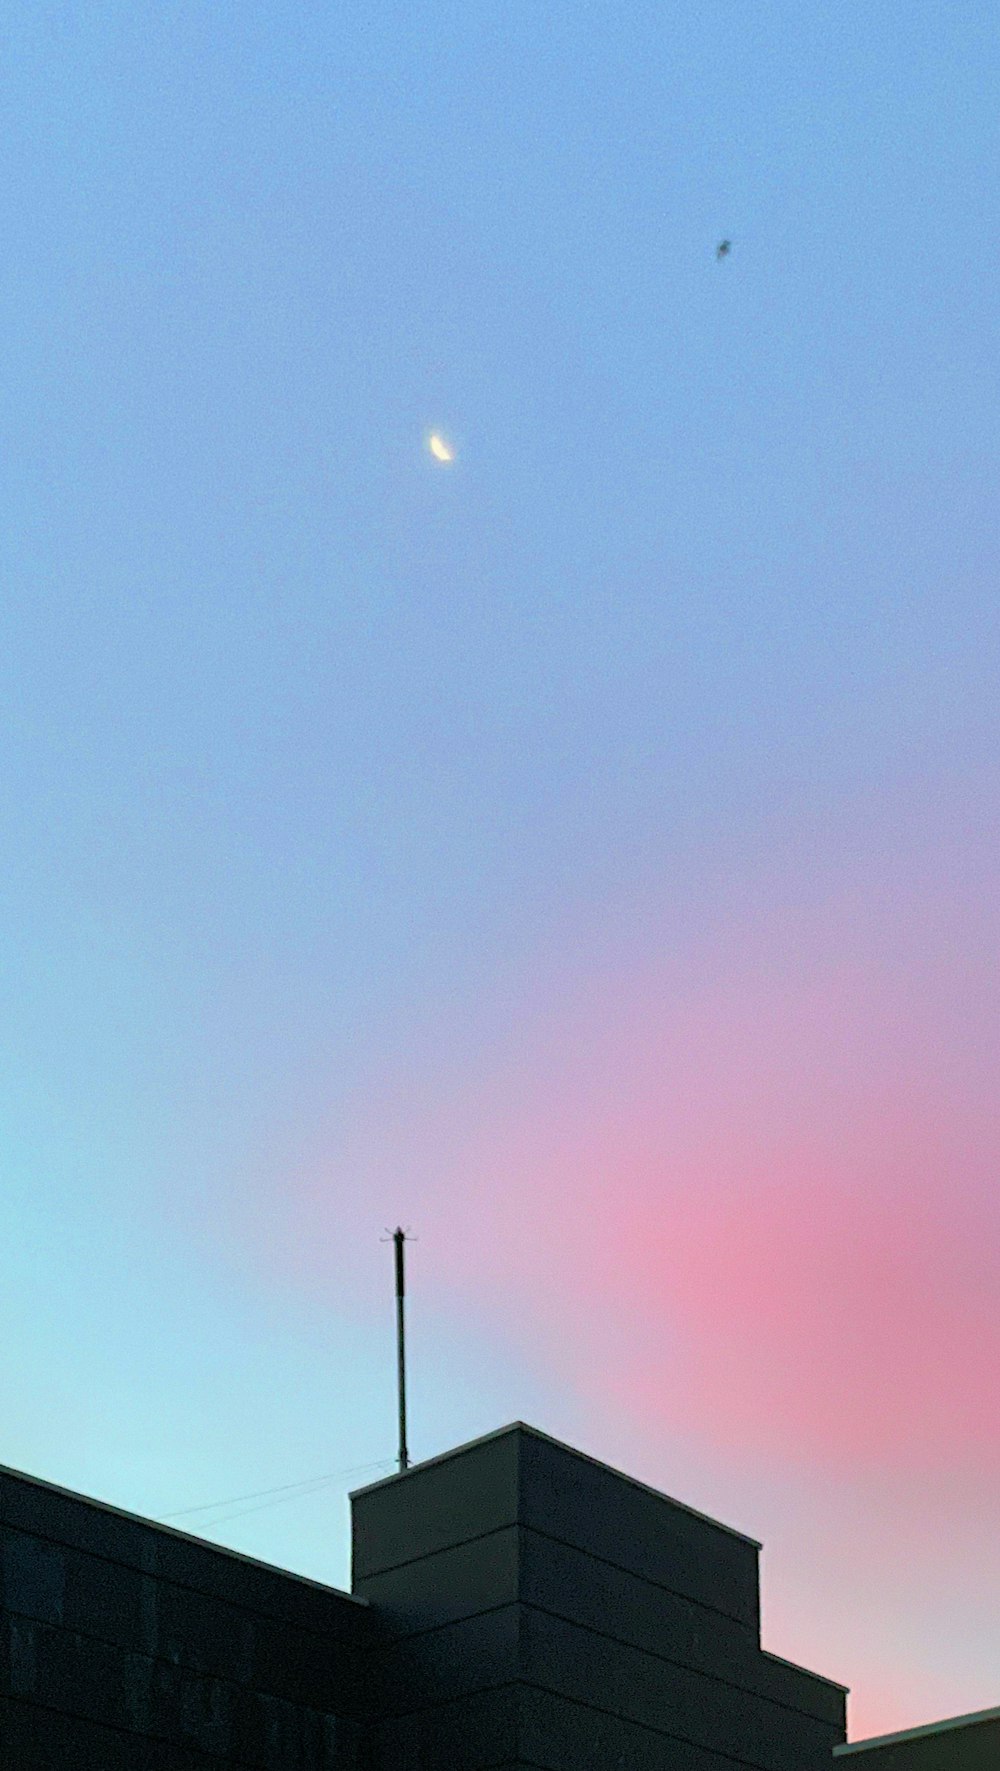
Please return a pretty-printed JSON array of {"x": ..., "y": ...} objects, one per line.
[{"x": 583, "y": 853}]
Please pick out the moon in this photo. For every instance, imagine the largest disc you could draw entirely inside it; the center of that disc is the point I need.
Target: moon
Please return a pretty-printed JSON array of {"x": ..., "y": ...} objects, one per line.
[{"x": 440, "y": 450}]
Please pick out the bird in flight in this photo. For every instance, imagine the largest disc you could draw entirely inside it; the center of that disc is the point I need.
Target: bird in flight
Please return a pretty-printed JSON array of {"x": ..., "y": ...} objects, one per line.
[{"x": 723, "y": 249}]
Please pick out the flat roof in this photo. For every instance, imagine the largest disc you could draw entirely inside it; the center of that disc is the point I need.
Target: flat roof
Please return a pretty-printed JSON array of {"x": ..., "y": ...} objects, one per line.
[
  {"x": 520, "y": 1426},
  {"x": 858, "y": 1746}
]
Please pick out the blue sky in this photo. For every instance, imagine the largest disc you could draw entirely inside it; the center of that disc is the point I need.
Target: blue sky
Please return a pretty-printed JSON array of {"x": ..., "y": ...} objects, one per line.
[{"x": 333, "y": 782}]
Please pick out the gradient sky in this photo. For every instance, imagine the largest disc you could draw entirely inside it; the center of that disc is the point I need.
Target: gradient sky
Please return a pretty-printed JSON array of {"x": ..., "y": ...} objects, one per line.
[{"x": 585, "y": 854}]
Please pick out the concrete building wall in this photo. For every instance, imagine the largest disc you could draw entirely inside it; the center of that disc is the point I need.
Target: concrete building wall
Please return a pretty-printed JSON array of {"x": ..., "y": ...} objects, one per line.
[
  {"x": 517, "y": 1606},
  {"x": 124, "y": 1645},
  {"x": 548, "y": 1612}
]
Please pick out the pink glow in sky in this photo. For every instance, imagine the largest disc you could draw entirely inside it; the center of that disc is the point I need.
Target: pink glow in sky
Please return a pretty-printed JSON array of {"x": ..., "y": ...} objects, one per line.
[
  {"x": 740, "y": 1191},
  {"x": 585, "y": 853}
]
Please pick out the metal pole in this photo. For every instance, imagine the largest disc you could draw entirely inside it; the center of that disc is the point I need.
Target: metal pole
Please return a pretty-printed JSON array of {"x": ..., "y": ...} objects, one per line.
[{"x": 404, "y": 1456}]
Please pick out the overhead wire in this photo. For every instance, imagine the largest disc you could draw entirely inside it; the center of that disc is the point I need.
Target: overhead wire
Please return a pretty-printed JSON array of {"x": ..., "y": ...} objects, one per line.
[
  {"x": 275, "y": 1496},
  {"x": 277, "y": 1501}
]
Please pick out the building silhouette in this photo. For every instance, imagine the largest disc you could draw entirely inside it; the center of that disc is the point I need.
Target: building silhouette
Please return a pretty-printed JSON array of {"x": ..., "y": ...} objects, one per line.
[
  {"x": 515, "y": 1604},
  {"x": 962, "y": 1743}
]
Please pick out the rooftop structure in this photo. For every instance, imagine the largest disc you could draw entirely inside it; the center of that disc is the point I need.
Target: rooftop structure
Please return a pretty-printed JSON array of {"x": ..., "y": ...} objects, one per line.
[
  {"x": 515, "y": 1606},
  {"x": 962, "y": 1743}
]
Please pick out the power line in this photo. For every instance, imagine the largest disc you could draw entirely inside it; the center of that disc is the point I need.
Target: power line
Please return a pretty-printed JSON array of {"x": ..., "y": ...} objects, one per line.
[
  {"x": 276, "y": 1500},
  {"x": 308, "y": 1482},
  {"x": 302, "y": 1494}
]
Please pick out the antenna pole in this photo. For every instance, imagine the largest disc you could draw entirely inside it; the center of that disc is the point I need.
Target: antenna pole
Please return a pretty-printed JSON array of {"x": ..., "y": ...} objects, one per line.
[{"x": 399, "y": 1239}]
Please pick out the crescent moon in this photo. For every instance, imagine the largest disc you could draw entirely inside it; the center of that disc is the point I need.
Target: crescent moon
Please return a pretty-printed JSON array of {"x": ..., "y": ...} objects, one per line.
[{"x": 439, "y": 448}]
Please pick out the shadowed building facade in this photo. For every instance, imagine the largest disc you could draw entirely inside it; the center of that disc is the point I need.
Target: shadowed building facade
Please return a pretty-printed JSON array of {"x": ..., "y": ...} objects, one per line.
[
  {"x": 546, "y": 1611},
  {"x": 125, "y": 1646},
  {"x": 962, "y": 1743},
  {"x": 515, "y": 1604}
]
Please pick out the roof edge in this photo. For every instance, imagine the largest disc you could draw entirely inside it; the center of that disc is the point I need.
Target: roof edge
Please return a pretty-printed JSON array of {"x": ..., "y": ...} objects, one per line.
[
  {"x": 203, "y": 1543},
  {"x": 520, "y": 1426},
  {"x": 857, "y": 1746},
  {"x": 799, "y": 1668}
]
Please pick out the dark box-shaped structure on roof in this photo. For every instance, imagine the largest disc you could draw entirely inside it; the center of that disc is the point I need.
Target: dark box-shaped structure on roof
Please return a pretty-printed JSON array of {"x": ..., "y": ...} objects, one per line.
[{"x": 515, "y": 1604}]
